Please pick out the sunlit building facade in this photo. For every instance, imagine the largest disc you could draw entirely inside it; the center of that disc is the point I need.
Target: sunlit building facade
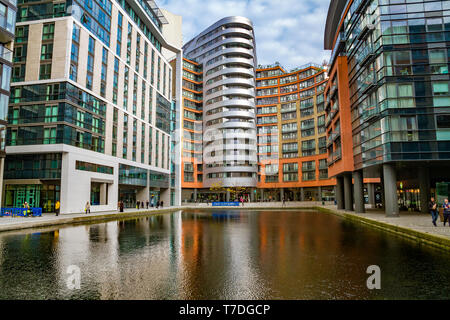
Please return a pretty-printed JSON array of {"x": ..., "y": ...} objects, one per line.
[
  {"x": 291, "y": 133},
  {"x": 388, "y": 101},
  {"x": 89, "y": 114}
]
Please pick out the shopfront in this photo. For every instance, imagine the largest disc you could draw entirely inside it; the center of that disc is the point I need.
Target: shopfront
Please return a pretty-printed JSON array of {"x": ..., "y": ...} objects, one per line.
[{"x": 42, "y": 195}]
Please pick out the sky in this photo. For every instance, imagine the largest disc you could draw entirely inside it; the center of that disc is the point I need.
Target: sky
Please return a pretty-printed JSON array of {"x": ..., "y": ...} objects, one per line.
[{"x": 287, "y": 31}]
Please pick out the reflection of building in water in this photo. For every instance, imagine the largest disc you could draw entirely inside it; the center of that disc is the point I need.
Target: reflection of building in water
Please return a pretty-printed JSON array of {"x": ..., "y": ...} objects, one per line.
[
  {"x": 141, "y": 245},
  {"x": 215, "y": 253}
]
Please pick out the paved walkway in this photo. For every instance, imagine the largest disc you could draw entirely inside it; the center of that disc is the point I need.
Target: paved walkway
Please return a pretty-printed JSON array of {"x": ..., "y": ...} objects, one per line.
[
  {"x": 48, "y": 219},
  {"x": 407, "y": 219}
]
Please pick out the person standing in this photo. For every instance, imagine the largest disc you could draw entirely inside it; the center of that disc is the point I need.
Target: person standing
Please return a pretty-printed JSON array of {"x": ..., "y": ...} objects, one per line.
[
  {"x": 157, "y": 204},
  {"x": 162, "y": 204},
  {"x": 152, "y": 202},
  {"x": 242, "y": 201},
  {"x": 432, "y": 206},
  {"x": 57, "y": 205},
  {"x": 446, "y": 207},
  {"x": 137, "y": 204},
  {"x": 147, "y": 204},
  {"x": 284, "y": 201},
  {"x": 121, "y": 206},
  {"x": 87, "y": 208}
]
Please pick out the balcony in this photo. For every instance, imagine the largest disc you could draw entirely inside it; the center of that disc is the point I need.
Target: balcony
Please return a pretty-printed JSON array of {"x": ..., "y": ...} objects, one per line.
[
  {"x": 367, "y": 84},
  {"x": 370, "y": 112},
  {"x": 333, "y": 90},
  {"x": 366, "y": 55},
  {"x": 334, "y": 156},
  {"x": 328, "y": 119},
  {"x": 6, "y": 54}
]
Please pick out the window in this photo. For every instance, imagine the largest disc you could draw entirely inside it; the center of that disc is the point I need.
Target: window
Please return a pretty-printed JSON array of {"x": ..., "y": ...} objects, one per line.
[
  {"x": 49, "y": 135},
  {"x": 45, "y": 71},
  {"x": 48, "y": 31},
  {"x": 46, "y": 51},
  {"x": 51, "y": 113}
]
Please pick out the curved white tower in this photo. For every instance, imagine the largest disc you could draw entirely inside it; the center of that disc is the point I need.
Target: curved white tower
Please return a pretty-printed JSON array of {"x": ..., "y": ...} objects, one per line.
[{"x": 228, "y": 55}]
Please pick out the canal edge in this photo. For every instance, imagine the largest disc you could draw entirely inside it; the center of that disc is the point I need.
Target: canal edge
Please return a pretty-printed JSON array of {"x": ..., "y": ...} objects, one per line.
[{"x": 417, "y": 236}]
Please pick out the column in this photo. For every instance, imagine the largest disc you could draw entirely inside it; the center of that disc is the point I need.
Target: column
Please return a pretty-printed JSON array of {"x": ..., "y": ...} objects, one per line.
[
  {"x": 424, "y": 187},
  {"x": 359, "y": 191},
  {"x": 390, "y": 190},
  {"x": 261, "y": 194},
  {"x": 319, "y": 191},
  {"x": 339, "y": 195},
  {"x": 281, "y": 194},
  {"x": 195, "y": 194},
  {"x": 252, "y": 195},
  {"x": 295, "y": 194},
  {"x": 302, "y": 194},
  {"x": 164, "y": 196},
  {"x": 104, "y": 193},
  {"x": 371, "y": 194},
  {"x": 348, "y": 203},
  {"x": 228, "y": 195}
]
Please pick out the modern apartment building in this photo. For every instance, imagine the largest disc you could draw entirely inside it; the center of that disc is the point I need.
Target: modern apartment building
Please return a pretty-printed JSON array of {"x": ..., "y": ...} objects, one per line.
[
  {"x": 291, "y": 133},
  {"x": 388, "y": 101},
  {"x": 89, "y": 117},
  {"x": 8, "y": 10},
  {"x": 219, "y": 129}
]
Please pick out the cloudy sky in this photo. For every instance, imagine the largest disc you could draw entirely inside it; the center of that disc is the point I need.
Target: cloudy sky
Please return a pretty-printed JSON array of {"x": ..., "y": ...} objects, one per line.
[{"x": 287, "y": 31}]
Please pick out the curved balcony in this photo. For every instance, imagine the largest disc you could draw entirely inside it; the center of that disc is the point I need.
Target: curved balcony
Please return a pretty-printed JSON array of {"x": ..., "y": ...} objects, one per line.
[
  {"x": 226, "y": 71},
  {"x": 231, "y": 182},
  {"x": 219, "y": 146},
  {"x": 232, "y": 80},
  {"x": 230, "y": 103},
  {"x": 235, "y": 157},
  {"x": 250, "y": 63},
  {"x": 230, "y": 114},
  {"x": 245, "y": 33},
  {"x": 226, "y": 51},
  {"x": 233, "y": 168},
  {"x": 248, "y": 93}
]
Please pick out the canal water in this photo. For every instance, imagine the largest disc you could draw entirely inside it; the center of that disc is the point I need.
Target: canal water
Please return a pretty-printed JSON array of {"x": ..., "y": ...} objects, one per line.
[{"x": 227, "y": 254}]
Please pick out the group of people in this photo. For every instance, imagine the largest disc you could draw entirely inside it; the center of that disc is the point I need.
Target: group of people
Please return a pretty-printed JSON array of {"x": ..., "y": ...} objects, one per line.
[
  {"x": 141, "y": 204},
  {"x": 434, "y": 210}
]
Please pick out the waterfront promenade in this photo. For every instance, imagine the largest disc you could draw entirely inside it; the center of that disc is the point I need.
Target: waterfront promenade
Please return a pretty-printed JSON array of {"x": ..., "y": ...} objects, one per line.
[{"x": 413, "y": 225}]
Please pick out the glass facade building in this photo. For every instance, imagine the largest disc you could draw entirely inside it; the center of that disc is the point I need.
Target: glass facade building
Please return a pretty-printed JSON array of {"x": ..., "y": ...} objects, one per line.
[
  {"x": 91, "y": 86},
  {"x": 8, "y": 12},
  {"x": 389, "y": 87}
]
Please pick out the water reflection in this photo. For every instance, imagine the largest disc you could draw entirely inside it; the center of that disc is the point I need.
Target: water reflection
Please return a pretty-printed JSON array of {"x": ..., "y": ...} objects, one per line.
[{"x": 225, "y": 254}]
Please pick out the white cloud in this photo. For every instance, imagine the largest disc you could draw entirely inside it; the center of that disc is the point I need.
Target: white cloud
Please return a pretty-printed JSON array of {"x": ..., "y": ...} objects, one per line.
[{"x": 288, "y": 31}]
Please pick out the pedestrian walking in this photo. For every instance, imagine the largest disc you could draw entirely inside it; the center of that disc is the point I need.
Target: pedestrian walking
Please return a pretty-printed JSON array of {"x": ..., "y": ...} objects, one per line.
[
  {"x": 432, "y": 206},
  {"x": 446, "y": 207},
  {"x": 137, "y": 204},
  {"x": 57, "y": 205},
  {"x": 27, "y": 209},
  {"x": 87, "y": 208},
  {"x": 153, "y": 202},
  {"x": 162, "y": 204},
  {"x": 284, "y": 201},
  {"x": 147, "y": 204},
  {"x": 121, "y": 206},
  {"x": 157, "y": 204},
  {"x": 242, "y": 201}
]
